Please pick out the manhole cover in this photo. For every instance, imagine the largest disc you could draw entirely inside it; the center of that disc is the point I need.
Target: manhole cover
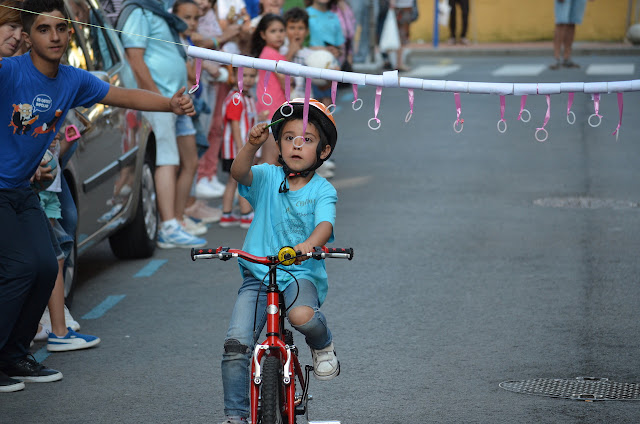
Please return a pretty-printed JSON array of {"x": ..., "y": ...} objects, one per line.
[{"x": 579, "y": 388}]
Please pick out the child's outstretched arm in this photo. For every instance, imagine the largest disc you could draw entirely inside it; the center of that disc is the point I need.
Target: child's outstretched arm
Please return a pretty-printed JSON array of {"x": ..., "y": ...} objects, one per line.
[
  {"x": 241, "y": 168},
  {"x": 180, "y": 103}
]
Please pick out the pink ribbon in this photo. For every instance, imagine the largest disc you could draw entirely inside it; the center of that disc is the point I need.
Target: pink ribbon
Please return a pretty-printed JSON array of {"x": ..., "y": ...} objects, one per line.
[
  {"x": 571, "y": 117},
  {"x": 334, "y": 91},
  {"x": 287, "y": 87},
  {"x": 376, "y": 108},
  {"x": 523, "y": 103},
  {"x": 458, "y": 121},
  {"x": 240, "y": 79},
  {"x": 198, "y": 72},
  {"x": 547, "y": 116},
  {"x": 596, "y": 107},
  {"x": 620, "y": 107},
  {"x": 305, "y": 109},
  {"x": 502, "y": 120},
  {"x": 410, "y": 113}
]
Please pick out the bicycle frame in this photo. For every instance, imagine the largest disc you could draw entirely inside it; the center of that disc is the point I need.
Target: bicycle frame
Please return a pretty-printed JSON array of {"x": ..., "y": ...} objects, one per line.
[{"x": 277, "y": 343}]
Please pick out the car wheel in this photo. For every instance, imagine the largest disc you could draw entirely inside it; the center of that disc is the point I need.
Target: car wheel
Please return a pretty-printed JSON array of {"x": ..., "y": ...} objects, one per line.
[{"x": 138, "y": 238}]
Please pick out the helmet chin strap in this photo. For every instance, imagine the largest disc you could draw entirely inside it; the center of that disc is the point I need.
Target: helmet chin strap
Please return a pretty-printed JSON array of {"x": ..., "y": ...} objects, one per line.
[{"x": 284, "y": 186}]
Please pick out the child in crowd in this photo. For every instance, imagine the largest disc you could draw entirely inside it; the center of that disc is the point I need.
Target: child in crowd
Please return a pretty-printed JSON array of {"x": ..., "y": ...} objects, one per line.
[
  {"x": 297, "y": 29},
  {"x": 196, "y": 212},
  {"x": 234, "y": 12},
  {"x": 58, "y": 333},
  {"x": 189, "y": 12},
  {"x": 240, "y": 116},
  {"x": 325, "y": 32},
  {"x": 265, "y": 7},
  {"x": 293, "y": 207},
  {"x": 266, "y": 42}
]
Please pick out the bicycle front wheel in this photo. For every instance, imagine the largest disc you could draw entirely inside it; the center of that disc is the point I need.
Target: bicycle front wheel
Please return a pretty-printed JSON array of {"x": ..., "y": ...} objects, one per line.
[{"x": 272, "y": 406}]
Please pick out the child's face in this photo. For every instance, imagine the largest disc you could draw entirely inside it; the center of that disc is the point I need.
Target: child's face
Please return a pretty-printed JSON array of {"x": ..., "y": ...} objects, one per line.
[
  {"x": 273, "y": 36},
  {"x": 298, "y": 154},
  {"x": 296, "y": 31},
  {"x": 249, "y": 76},
  {"x": 49, "y": 36},
  {"x": 190, "y": 13},
  {"x": 272, "y": 6},
  {"x": 323, "y": 4}
]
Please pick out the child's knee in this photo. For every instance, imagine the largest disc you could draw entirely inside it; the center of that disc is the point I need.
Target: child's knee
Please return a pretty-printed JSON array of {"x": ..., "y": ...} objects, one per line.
[{"x": 301, "y": 315}]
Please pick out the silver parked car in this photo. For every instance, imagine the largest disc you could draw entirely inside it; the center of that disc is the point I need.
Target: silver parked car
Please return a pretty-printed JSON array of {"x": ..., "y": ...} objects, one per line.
[{"x": 111, "y": 173}]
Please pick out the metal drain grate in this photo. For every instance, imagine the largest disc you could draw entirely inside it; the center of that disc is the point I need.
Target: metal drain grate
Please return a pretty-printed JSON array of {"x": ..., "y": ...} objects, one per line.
[{"x": 580, "y": 388}]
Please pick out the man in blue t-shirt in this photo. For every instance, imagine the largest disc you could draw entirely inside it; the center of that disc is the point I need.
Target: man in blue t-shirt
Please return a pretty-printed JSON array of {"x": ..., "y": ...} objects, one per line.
[{"x": 37, "y": 92}]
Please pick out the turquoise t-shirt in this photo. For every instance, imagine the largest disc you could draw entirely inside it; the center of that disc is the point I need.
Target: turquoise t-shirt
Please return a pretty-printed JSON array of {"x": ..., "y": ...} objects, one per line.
[
  {"x": 165, "y": 62},
  {"x": 324, "y": 27},
  {"x": 287, "y": 219}
]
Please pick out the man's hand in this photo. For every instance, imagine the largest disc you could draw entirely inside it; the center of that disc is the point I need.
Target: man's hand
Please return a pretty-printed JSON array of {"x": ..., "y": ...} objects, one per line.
[
  {"x": 181, "y": 104},
  {"x": 258, "y": 134}
]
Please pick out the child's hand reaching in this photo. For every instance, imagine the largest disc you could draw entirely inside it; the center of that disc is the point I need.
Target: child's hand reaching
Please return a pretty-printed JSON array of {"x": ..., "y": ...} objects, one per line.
[
  {"x": 181, "y": 104},
  {"x": 258, "y": 134}
]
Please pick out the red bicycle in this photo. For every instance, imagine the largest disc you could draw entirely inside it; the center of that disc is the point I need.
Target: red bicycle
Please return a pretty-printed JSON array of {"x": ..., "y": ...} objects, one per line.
[{"x": 275, "y": 369}]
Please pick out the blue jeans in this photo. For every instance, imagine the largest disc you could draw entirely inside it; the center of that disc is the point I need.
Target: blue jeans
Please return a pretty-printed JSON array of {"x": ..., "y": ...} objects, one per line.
[
  {"x": 363, "y": 11},
  {"x": 240, "y": 339}
]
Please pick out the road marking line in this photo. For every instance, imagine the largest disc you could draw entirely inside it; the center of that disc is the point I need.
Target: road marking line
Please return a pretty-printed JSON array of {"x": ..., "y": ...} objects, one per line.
[
  {"x": 611, "y": 69},
  {"x": 41, "y": 354},
  {"x": 149, "y": 269},
  {"x": 102, "y": 308},
  {"x": 519, "y": 70},
  {"x": 432, "y": 71}
]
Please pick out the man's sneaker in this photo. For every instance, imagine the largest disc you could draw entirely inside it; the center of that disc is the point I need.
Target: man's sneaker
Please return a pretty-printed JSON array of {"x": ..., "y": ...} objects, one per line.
[
  {"x": 229, "y": 220},
  {"x": 29, "y": 370},
  {"x": 8, "y": 384},
  {"x": 192, "y": 227},
  {"x": 246, "y": 220},
  {"x": 69, "y": 321},
  {"x": 177, "y": 237},
  {"x": 329, "y": 164},
  {"x": 72, "y": 341},
  {"x": 325, "y": 364},
  {"x": 325, "y": 172},
  {"x": 206, "y": 189},
  {"x": 205, "y": 213}
]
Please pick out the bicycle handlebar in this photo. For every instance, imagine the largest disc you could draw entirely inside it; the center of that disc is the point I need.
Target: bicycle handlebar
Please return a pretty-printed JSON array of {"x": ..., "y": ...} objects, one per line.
[{"x": 225, "y": 253}]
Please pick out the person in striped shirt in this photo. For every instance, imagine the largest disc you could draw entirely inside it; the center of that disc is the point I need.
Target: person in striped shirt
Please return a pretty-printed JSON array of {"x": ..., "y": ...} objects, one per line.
[{"x": 239, "y": 116}]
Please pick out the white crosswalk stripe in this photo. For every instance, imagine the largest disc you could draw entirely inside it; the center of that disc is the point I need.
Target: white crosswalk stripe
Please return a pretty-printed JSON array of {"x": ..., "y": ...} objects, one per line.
[
  {"x": 530, "y": 70},
  {"x": 426, "y": 71},
  {"x": 611, "y": 69}
]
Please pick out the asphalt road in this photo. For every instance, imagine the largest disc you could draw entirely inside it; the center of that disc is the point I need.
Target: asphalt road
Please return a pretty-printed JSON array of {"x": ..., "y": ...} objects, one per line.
[{"x": 480, "y": 258}]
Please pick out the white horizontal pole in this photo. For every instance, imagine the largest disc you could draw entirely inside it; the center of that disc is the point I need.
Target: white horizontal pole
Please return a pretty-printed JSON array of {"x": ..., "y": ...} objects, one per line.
[{"x": 392, "y": 80}]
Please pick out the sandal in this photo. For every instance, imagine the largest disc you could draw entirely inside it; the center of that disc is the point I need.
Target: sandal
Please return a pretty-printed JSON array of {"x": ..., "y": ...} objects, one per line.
[
  {"x": 568, "y": 63},
  {"x": 556, "y": 65}
]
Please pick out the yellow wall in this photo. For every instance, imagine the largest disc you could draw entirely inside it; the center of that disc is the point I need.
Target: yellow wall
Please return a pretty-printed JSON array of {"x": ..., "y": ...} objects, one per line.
[{"x": 527, "y": 20}]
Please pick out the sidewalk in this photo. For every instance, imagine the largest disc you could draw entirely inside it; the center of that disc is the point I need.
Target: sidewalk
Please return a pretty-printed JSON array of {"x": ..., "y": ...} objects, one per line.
[{"x": 415, "y": 52}]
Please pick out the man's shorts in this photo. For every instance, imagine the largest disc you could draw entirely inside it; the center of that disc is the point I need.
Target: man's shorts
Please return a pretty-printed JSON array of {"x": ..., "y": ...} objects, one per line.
[
  {"x": 164, "y": 129},
  {"x": 570, "y": 11}
]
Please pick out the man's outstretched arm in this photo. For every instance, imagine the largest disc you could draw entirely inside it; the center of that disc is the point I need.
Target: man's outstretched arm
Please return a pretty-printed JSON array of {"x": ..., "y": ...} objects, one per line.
[{"x": 180, "y": 103}]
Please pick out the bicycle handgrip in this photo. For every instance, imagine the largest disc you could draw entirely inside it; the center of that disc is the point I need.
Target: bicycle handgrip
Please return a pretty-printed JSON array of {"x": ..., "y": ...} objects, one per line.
[{"x": 340, "y": 252}]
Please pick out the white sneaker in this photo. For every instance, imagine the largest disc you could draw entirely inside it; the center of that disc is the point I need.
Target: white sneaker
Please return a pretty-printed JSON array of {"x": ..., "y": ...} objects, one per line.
[
  {"x": 69, "y": 321},
  {"x": 325, "y": 364},
  {"x": 203, "y": 212},
  {"x": 192, "y": 227},
  {"x": 43, "y": 335},
  {"x": 205, "y": 190},
  {"x": 176, "y": 237},
  {"x": 216, "y": 184}
]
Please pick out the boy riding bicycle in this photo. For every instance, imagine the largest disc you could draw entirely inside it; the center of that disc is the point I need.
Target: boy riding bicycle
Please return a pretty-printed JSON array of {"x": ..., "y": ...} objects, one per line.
[{"x": 292, "y": 207}]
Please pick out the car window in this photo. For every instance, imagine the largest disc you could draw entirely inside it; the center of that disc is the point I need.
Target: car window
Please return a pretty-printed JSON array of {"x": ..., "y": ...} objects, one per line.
[{"x": 90, "y": 47}]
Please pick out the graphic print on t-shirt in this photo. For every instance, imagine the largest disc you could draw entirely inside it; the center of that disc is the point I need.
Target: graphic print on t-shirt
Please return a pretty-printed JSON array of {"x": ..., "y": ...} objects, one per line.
[{"x": 25, "y": 115}]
